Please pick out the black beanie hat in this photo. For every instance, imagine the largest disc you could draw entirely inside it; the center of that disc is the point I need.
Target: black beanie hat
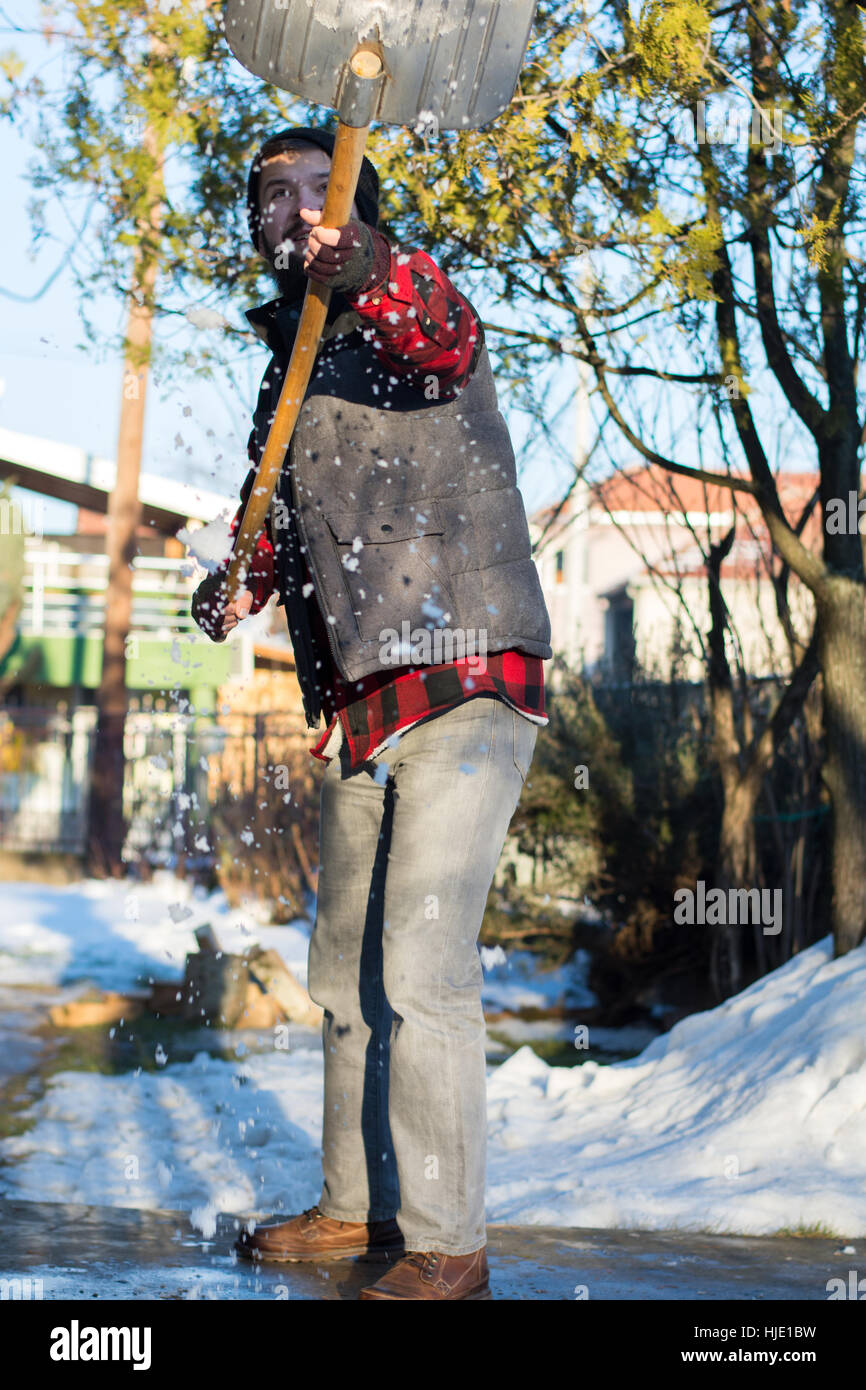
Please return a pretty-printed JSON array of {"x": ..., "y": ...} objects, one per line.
[{"x": 366, "y": 194}]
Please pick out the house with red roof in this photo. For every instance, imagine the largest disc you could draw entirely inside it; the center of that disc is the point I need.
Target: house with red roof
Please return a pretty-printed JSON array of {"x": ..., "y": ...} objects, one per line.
[{"x": 623, "y": 566}]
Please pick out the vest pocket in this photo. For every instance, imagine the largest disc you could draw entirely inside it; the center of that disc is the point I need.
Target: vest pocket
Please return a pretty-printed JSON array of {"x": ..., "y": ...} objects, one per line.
[{"x": 393, "y": 565}]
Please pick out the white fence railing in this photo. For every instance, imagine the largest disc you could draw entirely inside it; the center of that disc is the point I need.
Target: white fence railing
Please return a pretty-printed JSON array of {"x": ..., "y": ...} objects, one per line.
[{"x": 64, "y": 594}]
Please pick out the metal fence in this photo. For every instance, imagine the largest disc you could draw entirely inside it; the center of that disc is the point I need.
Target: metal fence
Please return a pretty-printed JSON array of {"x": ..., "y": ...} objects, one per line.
[{"x": 176, "y": 767}]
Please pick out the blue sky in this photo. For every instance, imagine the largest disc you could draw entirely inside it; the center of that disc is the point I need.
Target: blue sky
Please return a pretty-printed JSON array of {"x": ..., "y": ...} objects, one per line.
[{"x": 57, "y": 386}]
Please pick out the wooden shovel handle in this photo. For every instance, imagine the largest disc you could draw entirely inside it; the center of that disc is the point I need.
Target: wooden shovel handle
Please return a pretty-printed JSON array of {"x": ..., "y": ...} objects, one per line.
[{"x": 343, "y": 180}]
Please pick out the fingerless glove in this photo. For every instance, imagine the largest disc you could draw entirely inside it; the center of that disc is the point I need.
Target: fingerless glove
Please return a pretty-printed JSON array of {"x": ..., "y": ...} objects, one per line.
[{"x": 358, "y": 263}]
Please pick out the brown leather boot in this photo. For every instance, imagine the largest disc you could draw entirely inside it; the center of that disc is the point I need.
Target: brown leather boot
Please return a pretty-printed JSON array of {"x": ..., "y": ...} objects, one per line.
[
  {"x": 430, "y": 1274},
  {"x": 314, "y": 1236}
]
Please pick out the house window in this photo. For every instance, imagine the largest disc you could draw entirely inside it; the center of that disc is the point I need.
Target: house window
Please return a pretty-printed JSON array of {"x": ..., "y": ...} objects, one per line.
[
  {"x": 560, "y": 566},
  {"x": 619, "y": 637}
]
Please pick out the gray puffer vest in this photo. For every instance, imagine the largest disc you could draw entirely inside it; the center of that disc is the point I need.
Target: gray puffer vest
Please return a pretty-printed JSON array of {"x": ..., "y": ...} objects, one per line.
[{"x": 405, "y": 509}]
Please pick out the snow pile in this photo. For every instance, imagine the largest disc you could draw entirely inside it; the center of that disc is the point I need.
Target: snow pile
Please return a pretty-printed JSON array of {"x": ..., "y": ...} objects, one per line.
[{"x": 748, "y": 1118}]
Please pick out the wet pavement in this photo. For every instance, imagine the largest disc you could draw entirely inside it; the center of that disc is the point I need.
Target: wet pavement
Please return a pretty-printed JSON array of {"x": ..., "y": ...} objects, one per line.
[{"x": 106, "y": 1253}]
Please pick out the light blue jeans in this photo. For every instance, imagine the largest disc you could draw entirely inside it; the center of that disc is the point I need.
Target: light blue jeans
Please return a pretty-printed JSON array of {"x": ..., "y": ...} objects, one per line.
[{"x": 409, "y": 843}]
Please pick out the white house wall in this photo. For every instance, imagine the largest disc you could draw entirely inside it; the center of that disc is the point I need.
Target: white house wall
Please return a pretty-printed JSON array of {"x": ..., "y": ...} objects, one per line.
[{"x": 603, "y": 555}]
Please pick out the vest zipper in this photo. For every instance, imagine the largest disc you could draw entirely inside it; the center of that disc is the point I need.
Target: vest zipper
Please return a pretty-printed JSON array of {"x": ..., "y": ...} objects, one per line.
[
  {"x": 335, "y": 651},
  {"x": 308, "y": 554}
]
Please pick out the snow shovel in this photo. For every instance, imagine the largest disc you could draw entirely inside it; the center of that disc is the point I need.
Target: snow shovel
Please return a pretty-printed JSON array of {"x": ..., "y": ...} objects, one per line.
[{"x": 431, "y": 64}]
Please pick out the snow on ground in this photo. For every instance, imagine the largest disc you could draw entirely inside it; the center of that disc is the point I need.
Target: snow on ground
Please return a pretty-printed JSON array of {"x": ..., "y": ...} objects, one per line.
[
  {"x": 201, "y": 1136},
  {"x": 747, "y": 1118},
  {"x": 124, "y": 935},
  {"x": 514, "y": 981},
  {"x": 120, "y": 935}
]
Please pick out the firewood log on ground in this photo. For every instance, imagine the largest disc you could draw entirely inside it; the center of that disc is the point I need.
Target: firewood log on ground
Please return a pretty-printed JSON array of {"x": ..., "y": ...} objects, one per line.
[{"x": 253, "y": 990}]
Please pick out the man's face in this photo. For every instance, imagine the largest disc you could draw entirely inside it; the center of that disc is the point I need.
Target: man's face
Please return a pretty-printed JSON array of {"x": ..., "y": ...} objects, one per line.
[{"x": 289, "y": 181}]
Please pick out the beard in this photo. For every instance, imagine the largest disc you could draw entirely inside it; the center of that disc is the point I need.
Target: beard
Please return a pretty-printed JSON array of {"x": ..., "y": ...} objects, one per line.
[
  {"x": 289, "y": 277},
  {"x": 292, "y": 280}
]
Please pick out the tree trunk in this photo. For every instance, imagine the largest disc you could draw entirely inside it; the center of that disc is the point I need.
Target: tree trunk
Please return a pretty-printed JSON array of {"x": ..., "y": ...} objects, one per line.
[
  {"x": 106, "y": 824},
  {"x": 106, "y": 827},
  {"x": 842, "y": 645},
  {"x": 736, "y": 853},
  {"x": 743, "y": 762},
  {"x": 736, "y": 867}
]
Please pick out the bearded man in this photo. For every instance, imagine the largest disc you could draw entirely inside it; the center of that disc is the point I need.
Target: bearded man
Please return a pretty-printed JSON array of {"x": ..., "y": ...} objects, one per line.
[{"x": 399, "y": 546}]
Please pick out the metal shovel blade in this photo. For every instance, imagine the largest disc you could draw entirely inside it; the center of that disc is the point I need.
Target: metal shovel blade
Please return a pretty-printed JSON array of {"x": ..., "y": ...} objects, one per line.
[{"x": 450, "y": 64}]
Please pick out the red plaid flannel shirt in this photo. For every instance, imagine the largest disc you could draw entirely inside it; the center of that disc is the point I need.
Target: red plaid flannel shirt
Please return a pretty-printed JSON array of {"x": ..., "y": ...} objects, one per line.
[{"x": 421, "y": 328}]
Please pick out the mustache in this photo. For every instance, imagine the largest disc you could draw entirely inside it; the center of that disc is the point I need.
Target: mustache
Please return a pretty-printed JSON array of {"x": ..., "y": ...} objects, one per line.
[{"x": 290, "y": 243}]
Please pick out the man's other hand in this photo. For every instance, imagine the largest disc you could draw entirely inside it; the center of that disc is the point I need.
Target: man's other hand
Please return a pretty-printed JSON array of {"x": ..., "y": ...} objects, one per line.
[{"x": 215, "y": 617}]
